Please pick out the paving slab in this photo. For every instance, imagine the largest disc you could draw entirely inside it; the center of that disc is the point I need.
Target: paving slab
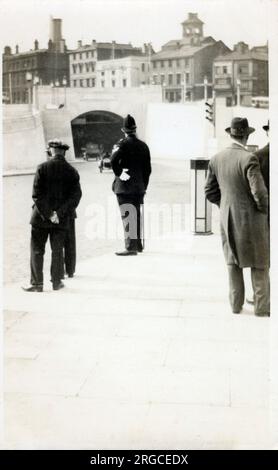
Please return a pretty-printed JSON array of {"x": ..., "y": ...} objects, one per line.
[{"x": 139, "y": 352}]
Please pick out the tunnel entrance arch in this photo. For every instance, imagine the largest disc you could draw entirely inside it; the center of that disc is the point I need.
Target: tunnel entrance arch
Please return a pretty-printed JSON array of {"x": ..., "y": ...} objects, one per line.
[{"x": 101, "y": 128}]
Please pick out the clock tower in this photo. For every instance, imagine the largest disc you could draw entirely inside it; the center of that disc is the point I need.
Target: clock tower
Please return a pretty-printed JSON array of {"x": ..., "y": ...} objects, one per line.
[{"x": 192, "y": 29}]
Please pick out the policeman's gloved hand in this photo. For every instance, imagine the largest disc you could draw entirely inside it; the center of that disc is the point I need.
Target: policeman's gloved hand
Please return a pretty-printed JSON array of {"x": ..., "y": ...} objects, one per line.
[
  {"x": 124, "y": 176},
  {"x": 54, "y": 218}
]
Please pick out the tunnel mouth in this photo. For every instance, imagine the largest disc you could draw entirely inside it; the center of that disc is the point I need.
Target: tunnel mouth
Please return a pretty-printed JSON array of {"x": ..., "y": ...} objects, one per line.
[{"x": 95, "y": 130}]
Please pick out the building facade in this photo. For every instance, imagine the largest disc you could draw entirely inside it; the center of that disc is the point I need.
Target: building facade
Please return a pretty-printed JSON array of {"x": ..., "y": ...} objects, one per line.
[
  {"x": 183, "y": 65},
  {"x": 84, "y": 62},
  {"x": 242, "y": 73},
  {"x": 131, "y": 71},
  {"x": 23, "y": 70}
]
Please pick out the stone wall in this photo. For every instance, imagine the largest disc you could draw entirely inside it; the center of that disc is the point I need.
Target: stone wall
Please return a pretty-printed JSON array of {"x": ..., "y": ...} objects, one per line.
[{"x": 23, "y": 138}]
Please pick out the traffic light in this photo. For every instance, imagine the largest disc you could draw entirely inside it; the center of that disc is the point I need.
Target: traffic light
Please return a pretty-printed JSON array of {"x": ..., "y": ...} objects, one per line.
[{"x": 210, "y": 112}]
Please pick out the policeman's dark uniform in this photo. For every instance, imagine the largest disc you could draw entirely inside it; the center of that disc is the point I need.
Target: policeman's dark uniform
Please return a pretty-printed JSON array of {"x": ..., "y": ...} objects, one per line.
[
  {"x": 132, "y": 154},
  {"x": 56, "y": 188}
]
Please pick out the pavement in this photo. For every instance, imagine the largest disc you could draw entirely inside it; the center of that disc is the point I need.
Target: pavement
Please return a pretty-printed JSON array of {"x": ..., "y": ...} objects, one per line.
[{"x": 137, "y": 353}]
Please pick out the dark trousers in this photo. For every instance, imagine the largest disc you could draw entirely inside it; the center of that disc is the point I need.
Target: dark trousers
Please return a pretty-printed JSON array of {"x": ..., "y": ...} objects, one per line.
[
  {"x": 39, "y": 238},
  {"x": 70, "y": 249},
  {"x": 261, "y": 288},
  {"x": 130, "y": 205}
]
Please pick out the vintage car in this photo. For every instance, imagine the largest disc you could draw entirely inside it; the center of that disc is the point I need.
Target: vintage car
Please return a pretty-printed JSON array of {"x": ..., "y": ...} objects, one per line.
[
  {"x": 105, "y": 162},
  {"x": 92, "y": 151}
]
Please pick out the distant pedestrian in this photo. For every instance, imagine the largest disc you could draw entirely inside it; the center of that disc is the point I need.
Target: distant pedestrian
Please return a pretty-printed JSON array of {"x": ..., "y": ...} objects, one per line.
[
  {"x": 131, "y": 163},
  {"x": 56, "y": 193},
  {"x": 236, "y": 185}
]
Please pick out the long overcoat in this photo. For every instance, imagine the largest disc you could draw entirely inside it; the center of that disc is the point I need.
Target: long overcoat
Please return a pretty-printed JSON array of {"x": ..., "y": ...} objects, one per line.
[
  {"x": 235, "y": 183},
  {"x": 134, "y": 155},
  {"x": 56, "y": 187}
]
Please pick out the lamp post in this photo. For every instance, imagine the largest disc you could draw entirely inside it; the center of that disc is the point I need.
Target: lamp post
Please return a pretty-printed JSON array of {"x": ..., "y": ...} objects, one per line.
[
  {"x": 52, "y": 92},
  {"x": 184, "y": 87},
  {"x": 29, "y": 84},
  {"x": 65, "y": 90},
  {"x": 238, "y": 83},
  {"x": 36, "y": 82},
  {"x": 205, "y": 88}
]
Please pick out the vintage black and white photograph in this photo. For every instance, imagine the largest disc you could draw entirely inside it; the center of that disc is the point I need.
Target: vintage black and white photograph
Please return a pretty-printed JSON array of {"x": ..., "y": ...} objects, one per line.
[{"x": 139, "y": 241}]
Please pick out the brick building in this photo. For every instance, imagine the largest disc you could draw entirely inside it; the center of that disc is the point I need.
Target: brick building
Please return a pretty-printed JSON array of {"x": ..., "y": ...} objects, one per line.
[
  {"x": 131, "y": 71},
  {"x": 244, "y": 68},
  {"x": 182, "y": 64},
  {"x": 22, "y": 70},
  {"x": 84, "y": 62}
]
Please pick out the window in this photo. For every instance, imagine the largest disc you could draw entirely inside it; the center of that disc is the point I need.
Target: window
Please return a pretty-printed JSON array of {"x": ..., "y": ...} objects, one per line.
[
  {"x": 92, "y": 66},
  {"x": 225, "y": 69},
  {"x": 187, "y": 78},
  {"x": 170, "y": 79},
  {"x": 178, "y": 62},
  {"x": 143, "y": 67},
  {"x": 113, "y": 83},
  {"x": 178, "y": 78},
  {"x": 102, "y": 74},
  {"x": 197, "y": 31},
  {"x": 154, "y": 64},
  {"x": 87, "y": 67},
  {"x": 162, "y": 64},
  {"x": 81, "y": 82},
  {"x": 74, "y": 68},
  {"x": 154, "y": 79},
  {"x": 103, "y": 83},
  {"x": 124, "y": 82},
  {"x": 74, "y": 83},
  {"x": 186, "y": 62},
  {"x": 87, "y": 55},
  {"x": 170, "y": 63},
  {"x": 88, "y": 82},
  {"x": 80, "y": 55},
  {"x": 80, "y": 67},
  {"x": 162, "y": 79},
  {"x": 113, "y": 72},
  {"x": 92, "y": 53},
  {"x": 243, "y": 69},
  {"x": 74, "y": 56},
  {"x": 93, "y": 82}
]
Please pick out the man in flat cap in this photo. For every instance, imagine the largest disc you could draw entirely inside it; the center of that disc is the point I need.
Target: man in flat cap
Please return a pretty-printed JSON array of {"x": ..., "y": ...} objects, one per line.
[
  {"x": 56, "y": 193},
  {"x": 235, "y": 183},
  {"x": 131, "y": 163}
]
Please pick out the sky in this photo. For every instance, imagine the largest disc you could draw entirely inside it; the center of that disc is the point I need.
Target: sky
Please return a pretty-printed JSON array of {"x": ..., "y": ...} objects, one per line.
[{"x": 137, "y": 21}]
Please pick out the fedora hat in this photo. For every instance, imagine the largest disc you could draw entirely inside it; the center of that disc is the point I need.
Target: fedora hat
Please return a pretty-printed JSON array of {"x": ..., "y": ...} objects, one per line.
[
  {"x": 239, "y": 127},
  {"x": 57, "y": 144},
  {"x": 129, "y": 124},
  {"x": 266, "y": 127}
]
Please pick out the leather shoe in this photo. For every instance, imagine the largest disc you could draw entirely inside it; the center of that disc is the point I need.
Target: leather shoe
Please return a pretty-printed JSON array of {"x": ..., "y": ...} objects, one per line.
[
  {"x": 58, "y": 286},
  {"x": 33, "y": 288},
  {"x": 126, "y": 253},
  {"x": 263, "y": 314},
  {"x": 237, "y": 310},
  {"x": 70, "y": 275}
]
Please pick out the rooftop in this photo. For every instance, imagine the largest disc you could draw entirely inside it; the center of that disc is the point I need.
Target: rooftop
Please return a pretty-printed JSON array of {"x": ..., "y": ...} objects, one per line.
[{"x": 248, "y": 55}]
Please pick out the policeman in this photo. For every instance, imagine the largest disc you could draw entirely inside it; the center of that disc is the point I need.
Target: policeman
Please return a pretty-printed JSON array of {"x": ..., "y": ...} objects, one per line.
[
  {"x": 56, "y": 193},
  {"x": 131, "y": 163}
]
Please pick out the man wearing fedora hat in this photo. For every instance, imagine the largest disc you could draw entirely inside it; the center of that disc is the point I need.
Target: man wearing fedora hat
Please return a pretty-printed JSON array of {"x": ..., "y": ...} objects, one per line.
[
  {"x": 235, "y": 183},
  {"x": 131, "y": 163},
  {"x": 56, "y": 193}
]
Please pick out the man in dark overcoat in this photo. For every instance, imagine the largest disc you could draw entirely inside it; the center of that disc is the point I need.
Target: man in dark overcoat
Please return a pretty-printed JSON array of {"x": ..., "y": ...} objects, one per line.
[
  {"x": 235, "y": 183},
  {"x": 56, "y": 193},
  {"x": 263, "y": 156},
  {"x": 131, "y": 163}
]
